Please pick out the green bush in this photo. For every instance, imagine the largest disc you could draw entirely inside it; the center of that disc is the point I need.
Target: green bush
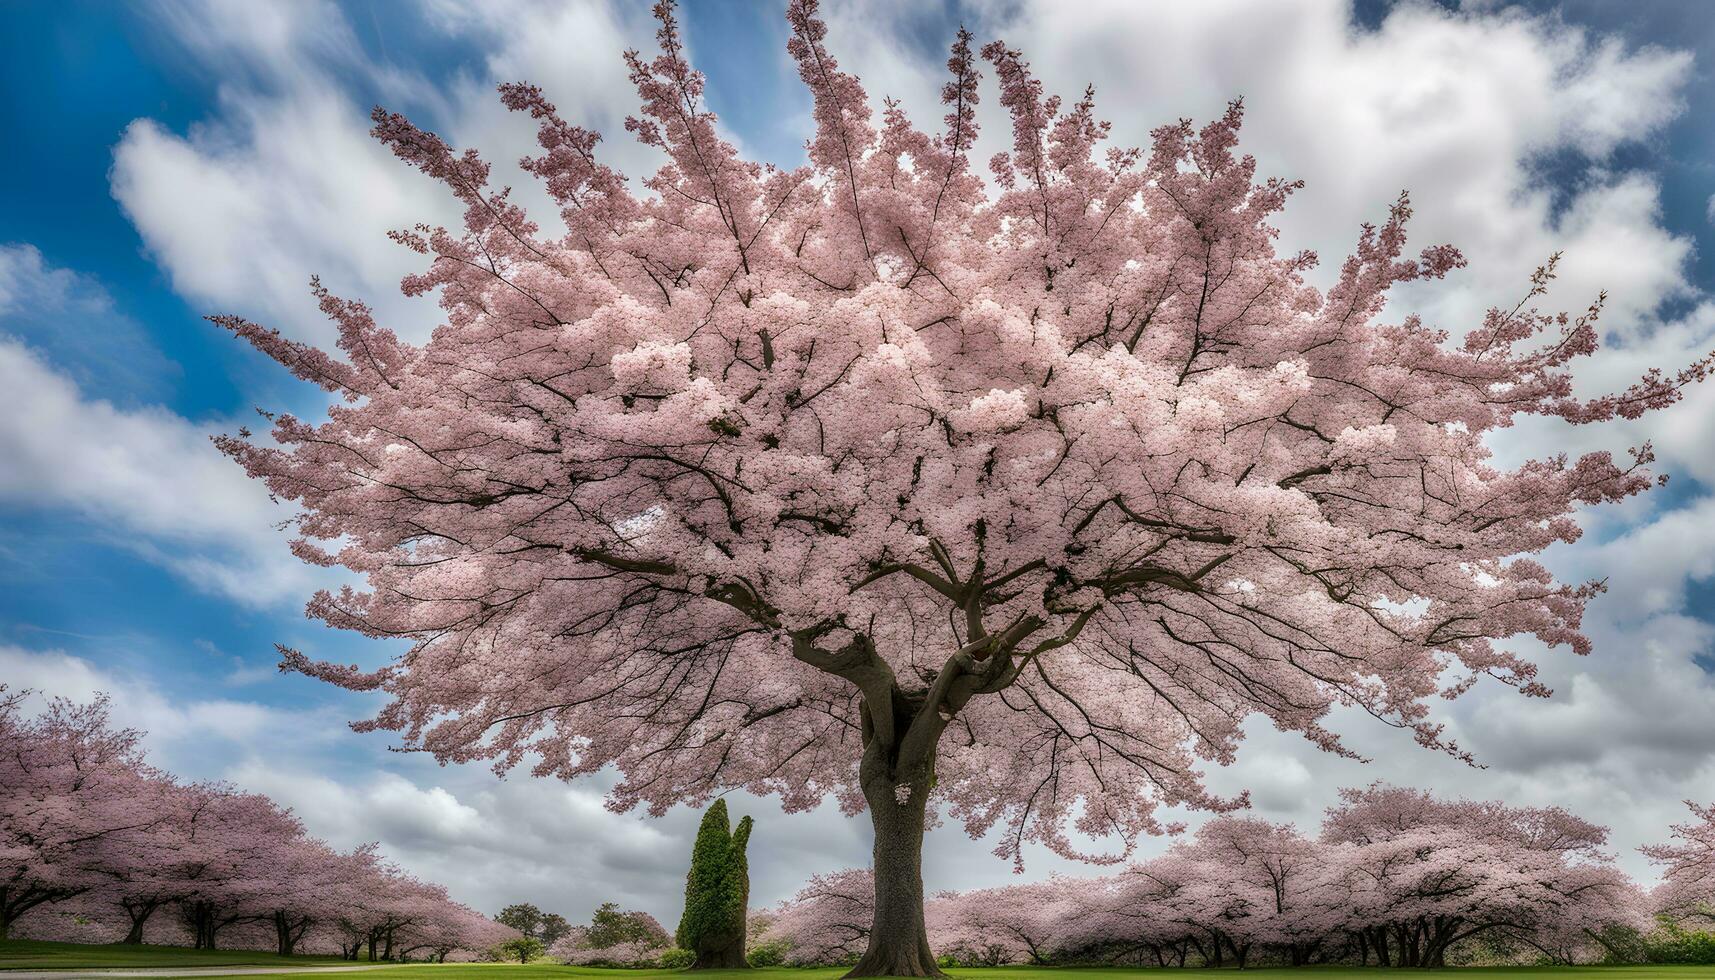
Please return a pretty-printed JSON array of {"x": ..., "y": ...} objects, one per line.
[
  {"x": 769, "y": 954},
  {"x": 523, "y": 949},
  {"x": 717, "y": 888},
  {"x": 677, "y": 959},
  {"x": 1671, "y": 942}
]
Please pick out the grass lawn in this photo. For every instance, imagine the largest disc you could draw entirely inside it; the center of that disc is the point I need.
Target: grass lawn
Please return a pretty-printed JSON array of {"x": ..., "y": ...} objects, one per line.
[
  {"x": 535, "y": 971},
  {"x": 27, "y": 954}
]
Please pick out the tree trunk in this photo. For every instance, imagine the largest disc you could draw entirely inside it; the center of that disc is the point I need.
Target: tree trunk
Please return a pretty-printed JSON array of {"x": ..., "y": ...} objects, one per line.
[
  {"x": 287, "y": 934},
  {"x": 728, "y": 956},
  {"x": 898, "y": 938},
  {"x": 139, "y": 911}
]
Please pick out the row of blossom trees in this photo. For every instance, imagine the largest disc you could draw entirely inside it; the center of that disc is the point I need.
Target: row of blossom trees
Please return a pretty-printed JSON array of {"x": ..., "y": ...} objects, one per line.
[
  {"x": 125, "y": 851},
  {"x": 1396, "y": 877}
]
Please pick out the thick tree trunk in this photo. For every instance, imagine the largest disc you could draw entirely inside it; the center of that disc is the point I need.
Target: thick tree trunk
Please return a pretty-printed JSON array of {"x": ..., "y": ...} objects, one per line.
[
  {"x": 287, "y": 933},
  {"x": 139, "y": 911},
  {"x": 728, "y": 956},
  {"x": 898, "y": 938}
]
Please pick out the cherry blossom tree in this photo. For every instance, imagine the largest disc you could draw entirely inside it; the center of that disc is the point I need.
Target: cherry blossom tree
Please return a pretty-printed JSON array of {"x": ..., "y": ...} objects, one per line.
[
  {"x": 1009, "y": 924},
  {"x": 155, "y": 874},
  {"x": 1163, "y": 911},
  {"x": 1266, "y": 883},
  {"x": 1687, "y": 890},
  {"x": 448, "y": 926},
  {"x": 771, "y": 478},
  {"x": 1424, "y": 874},
  {"x": 85, "y": 821},
  {"x": 77, "y": 803},
  {"x": 239, "y": 862},
  {"x": 828, "y": 920}
]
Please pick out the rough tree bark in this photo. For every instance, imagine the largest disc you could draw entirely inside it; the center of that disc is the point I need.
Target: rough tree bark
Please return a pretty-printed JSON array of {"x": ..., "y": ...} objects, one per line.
[
  {"x": 898, "y": 935},
  {"x": 901, "y": 733}
]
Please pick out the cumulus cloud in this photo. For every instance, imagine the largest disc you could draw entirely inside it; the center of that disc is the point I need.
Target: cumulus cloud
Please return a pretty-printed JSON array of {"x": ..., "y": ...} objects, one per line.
[
  {"x": 147, "y": 477},
  {"x": 284, "y": 181},
  {"x": 72, "y": 317},
  {"x": 193, "y": 737},
  {"x": 243, "y": 211}
]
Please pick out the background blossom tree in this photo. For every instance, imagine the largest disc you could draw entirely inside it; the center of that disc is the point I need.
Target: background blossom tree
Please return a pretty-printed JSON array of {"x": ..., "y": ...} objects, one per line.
[
  {"x": 773, "y": 478},
  {"x": 828, "y": 920},
  {"x": 1687, "y": 890},
  {"x": 1424, "y": 874},
  {"x": 77, "y": 804},
  {"x": 1009, "y": 924},
  {"x": 88, "y": 826}
]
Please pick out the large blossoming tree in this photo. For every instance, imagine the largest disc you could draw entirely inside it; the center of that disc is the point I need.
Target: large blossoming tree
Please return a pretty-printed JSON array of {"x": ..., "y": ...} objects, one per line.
[{"x": 867, "y": 479}]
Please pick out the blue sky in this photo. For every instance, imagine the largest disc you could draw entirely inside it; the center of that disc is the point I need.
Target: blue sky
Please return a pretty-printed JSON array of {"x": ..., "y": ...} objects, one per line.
[{"x": 176, "y": 158}]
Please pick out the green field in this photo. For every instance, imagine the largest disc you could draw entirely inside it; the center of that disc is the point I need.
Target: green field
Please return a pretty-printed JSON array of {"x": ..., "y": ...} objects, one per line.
[
  {"x": 25, "y": 954},
  {"x": 485, "y": 971},
  {"x": 29, "y": 955}
]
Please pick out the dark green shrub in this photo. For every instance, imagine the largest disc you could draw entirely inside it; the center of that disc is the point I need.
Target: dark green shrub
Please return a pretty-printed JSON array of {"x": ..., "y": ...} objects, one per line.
[
  {"x": 523, "y": 949},
  {"x": 717, "y": 889},
  {"x": 770, "y": 953},
  {"x": 1671, "y": 942},
  {"x": 677, "y": 959}
]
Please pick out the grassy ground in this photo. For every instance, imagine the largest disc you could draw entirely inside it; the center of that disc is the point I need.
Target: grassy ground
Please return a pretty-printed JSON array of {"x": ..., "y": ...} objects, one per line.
[
  {"x": 27, "y": 954},
  {"x": 24, "y": 954},
  {"x": 535, "y": 971}
]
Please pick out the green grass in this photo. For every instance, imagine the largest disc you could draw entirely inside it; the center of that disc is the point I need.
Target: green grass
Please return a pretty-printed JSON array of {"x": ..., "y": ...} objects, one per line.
[
  {"x": 28, "y": 954},
  {"x": 537, "y": 971}
]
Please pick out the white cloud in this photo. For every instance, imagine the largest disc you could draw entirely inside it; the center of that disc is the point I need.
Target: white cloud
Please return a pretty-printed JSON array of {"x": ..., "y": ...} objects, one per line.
[
  {"x": 148, "y": 478},
  {"x": 72, "y": 316},
  {"x": 191, "y": 736},
  {"x": 285, "y": 182},
  {"x": 242, "y": 212}
]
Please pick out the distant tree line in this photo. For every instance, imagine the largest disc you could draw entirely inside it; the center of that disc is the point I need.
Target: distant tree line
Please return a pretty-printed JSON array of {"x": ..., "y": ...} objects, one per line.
[
  {"x": 126, "y": 852},
  {"x": 1396, "y": 878}
]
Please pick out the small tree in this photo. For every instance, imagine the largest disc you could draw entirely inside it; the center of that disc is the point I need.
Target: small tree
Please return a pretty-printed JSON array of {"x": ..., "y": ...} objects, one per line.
[
  {"x": 553, "y": 927},
  {"x": 717, "y": 890},
  {"x": 525, "y": 948},
  {"x": 523, "y": 916},
  {"x": 612, "y": 926}
]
